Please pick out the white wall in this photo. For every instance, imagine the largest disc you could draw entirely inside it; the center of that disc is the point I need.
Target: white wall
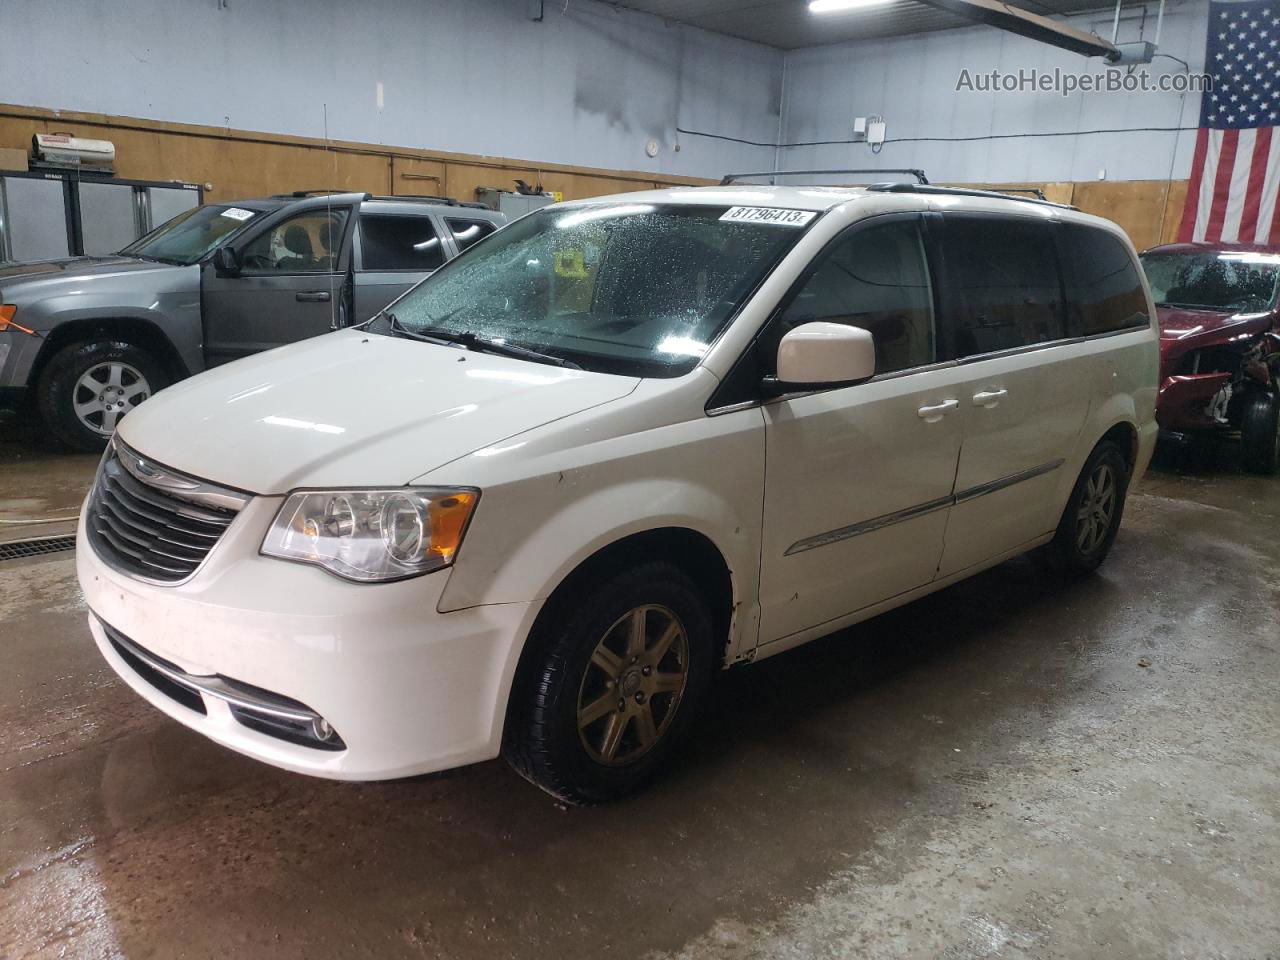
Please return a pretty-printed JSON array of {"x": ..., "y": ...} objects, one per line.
[
  {"x": 588, "y": 87},
  {"x": 911, "y": 81}
]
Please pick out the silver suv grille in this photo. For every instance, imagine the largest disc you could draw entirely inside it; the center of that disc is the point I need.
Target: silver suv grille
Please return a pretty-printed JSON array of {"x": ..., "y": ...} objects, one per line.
[{"x": 153, "y": 523}]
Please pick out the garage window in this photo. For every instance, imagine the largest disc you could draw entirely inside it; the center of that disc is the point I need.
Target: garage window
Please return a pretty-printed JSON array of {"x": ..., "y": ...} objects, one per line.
[
  {"x": 391, "y": 242},
  {"x": 1104, "y": 292},
  {"x": 1004, "y": 285}
]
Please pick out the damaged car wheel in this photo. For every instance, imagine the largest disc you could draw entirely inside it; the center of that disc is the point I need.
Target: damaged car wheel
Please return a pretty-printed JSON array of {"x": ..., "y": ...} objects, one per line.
[{"x": 1260, "y": 433}]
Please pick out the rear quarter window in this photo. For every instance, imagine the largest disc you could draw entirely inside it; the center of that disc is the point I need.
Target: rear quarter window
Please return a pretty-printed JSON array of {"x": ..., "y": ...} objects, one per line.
[
  {"x": 469, "y": 232},
  {"x": 1104, "y": 289}
]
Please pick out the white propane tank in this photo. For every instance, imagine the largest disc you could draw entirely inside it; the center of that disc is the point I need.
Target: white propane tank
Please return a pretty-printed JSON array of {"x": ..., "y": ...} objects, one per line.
[{"x": 64, "y": 150}]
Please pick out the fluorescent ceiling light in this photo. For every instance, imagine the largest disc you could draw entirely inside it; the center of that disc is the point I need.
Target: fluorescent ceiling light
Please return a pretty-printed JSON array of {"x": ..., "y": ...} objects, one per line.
[{"x": 838, "y": 6}]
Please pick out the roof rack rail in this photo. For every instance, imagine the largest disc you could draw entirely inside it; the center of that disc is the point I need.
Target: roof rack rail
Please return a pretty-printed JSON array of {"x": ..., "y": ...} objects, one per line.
[
  {"x": 735, "y": 177},
  {"x": 1034, "y": 191},
  {"x": 964, "y": 192},
  {"x": 430, "y": 198},
  {"x": 300, "y": 194}
]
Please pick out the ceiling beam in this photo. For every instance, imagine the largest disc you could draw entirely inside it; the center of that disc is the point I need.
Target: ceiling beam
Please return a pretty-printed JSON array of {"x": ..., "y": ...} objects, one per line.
[{"x": 1028, "y": 24}]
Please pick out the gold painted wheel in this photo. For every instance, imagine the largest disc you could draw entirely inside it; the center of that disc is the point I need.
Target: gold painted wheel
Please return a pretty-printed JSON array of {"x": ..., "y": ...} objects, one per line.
[{"x": 633, "y": 684}]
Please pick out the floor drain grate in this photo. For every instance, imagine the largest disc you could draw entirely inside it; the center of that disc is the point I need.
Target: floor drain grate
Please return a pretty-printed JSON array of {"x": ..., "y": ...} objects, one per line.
[{"x": 36, "y": 547}]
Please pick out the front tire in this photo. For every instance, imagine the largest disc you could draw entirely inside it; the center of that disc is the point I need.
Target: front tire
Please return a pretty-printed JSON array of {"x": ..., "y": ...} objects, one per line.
[
  {"x": 612, "y": 691},
  {"x": 87, "y": 387},
  {"x": 1260, "y": 433},
  {"x": 1092, "y": 518}
]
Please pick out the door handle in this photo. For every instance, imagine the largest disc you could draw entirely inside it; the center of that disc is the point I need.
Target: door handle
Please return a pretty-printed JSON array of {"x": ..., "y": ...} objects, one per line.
[
  {"x": 989, "y": 398},
  {"x": 933, "y": 412},
  {"x": 312, "y": 296}
]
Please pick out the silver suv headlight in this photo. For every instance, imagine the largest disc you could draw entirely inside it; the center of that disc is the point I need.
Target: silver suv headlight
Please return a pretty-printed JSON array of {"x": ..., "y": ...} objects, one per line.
[{"x": 372, "y": 535}]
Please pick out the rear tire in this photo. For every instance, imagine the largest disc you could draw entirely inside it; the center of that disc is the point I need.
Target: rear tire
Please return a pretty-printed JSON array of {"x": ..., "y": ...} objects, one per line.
[
  {"x": 1260, "y": 433},
  {"x": 87, "y": 387},
  {"x": 613, "y": 686},
  {"x": 1092, "y": 518}
]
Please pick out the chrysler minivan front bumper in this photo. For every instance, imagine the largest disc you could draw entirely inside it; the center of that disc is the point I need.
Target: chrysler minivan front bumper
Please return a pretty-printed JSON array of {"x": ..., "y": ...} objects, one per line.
[{"x": 290, "y": 665}]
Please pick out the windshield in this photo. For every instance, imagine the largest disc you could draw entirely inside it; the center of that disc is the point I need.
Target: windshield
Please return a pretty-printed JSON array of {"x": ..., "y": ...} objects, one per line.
[
  {"x": 630, "y": 288},
  {"x": 1227, "y": 280},
  {"x": 191, "y": 234}
]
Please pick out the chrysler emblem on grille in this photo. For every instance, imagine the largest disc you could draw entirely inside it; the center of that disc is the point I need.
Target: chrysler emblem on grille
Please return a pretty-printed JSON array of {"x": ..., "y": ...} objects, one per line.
[{"x": 151, "y": 474}]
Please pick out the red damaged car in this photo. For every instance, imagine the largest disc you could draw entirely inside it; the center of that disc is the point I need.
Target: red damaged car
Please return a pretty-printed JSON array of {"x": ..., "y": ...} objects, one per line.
[{"x": 1219, "y": 343}]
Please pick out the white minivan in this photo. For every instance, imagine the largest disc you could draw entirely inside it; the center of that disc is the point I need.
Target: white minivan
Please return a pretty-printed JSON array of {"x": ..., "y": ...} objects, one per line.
[{"x": 534, "y": 505}]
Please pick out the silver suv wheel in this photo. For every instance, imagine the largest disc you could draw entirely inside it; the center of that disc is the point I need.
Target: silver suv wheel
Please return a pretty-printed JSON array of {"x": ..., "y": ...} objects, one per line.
[{"x": 106, "y": 392}]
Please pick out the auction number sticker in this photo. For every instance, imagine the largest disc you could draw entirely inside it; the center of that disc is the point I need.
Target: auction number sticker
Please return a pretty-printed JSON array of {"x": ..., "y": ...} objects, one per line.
[
  {"x": 237, "y": 213},
  {"x": 774, "y": 215}
]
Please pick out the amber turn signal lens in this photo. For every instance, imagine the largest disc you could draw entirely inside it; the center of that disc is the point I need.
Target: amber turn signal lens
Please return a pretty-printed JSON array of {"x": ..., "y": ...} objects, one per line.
[
  {"x": 7, "y": 322},
  {"x": 449, "y": 516}
]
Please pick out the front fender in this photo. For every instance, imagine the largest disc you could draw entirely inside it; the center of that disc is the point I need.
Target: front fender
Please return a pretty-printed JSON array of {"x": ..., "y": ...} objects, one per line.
[
  {"x": 529, "y": 534},
  {"x": 172, "y": 309}
]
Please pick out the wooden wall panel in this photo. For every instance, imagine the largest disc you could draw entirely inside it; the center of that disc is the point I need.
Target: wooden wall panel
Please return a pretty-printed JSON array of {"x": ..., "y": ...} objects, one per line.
[
  {"x": 244, "y": 164},
  {"x": 1173, "y": 215},
  {"x": 414, "y": 176},
  {"x": 1143, "y": 207},
  {"x": 239, "y": 163}
]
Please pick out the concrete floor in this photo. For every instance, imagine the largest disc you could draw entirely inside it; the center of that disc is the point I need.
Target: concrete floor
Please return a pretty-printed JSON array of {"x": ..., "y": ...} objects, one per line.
[{"x": 1011, "y": 768}]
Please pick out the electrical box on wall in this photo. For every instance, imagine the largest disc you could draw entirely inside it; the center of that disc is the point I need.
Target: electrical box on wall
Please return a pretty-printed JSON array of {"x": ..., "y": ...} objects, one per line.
[
  {"x": 859, "y": 129},
  {"x": 1141, "y": 51},
  {"x": 875, "y": 131}
]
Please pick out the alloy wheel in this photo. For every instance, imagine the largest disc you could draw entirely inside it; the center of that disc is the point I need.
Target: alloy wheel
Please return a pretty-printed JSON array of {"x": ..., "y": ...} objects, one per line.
[
  {"x": 1097, "y": 508},
  {"x": 106, "y": 392},
  {"x": 632, "y": 685}
]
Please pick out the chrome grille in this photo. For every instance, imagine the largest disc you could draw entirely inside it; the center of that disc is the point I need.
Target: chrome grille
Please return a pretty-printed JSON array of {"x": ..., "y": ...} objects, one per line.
[{"x": 153, "y": 523}]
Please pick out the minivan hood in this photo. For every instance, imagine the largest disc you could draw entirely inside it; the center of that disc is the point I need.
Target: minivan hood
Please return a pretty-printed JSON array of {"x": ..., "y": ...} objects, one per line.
[
  {"x": 71, "y": 270},
  {"x": 353, "y": 409}
]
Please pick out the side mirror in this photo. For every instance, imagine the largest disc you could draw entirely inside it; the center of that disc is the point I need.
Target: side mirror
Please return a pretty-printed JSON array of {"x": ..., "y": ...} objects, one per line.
[
  {"x": 820, "y": 354},
  {"x": 225, "y": 259}
]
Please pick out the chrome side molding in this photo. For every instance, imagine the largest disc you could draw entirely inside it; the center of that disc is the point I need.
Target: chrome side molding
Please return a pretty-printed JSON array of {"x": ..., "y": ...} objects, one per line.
[{"x": 910, "y": 513}]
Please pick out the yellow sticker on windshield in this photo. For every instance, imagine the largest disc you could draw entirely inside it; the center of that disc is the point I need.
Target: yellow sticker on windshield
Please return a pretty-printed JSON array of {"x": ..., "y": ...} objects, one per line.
[{"x": 571, "y": 264}]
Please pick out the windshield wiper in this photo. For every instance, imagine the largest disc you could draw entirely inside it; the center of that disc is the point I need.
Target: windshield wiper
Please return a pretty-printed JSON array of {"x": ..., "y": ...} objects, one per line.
[
  {"x": 400, "y": 330},
  {"x": 473, "y": 341}
]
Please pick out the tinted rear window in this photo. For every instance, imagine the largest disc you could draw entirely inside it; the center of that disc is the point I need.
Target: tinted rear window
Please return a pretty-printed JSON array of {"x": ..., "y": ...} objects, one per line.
[
  {"x": 1004, "y": 287},
  {"x": 391, "y": 242},
  {"x": 1104, "y": 291}
]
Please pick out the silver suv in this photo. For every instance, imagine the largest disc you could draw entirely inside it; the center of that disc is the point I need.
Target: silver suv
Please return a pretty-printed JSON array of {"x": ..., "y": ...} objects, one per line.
[{"x": 95, "y": 336}]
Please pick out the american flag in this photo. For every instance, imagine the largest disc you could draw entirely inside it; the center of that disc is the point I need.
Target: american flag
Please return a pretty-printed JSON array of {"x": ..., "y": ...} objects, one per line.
[{"x": 1235, "y": 173}]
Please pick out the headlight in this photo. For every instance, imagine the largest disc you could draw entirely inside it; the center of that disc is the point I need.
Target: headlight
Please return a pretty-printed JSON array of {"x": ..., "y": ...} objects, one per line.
[{"x": 372, "y": 535}]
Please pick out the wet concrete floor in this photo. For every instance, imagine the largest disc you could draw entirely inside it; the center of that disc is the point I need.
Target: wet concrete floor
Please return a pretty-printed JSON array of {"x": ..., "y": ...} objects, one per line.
[{"x": 1011, "y": 768}]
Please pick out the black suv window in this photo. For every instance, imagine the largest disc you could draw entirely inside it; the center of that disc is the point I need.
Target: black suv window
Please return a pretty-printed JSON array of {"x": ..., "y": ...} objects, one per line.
[
  {"x": 1104, "y": 292},
  {"x": 399, "y": 242},
  {"x": 467, "y": 232},
  {"x": 875, "y": 278},
  {"x": 1004, "y": 286}
]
